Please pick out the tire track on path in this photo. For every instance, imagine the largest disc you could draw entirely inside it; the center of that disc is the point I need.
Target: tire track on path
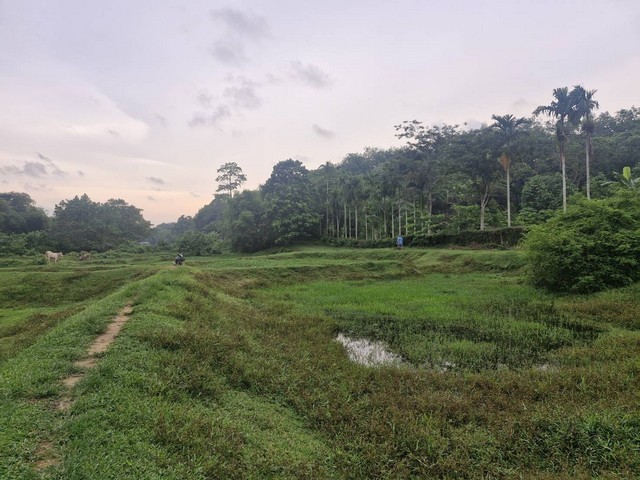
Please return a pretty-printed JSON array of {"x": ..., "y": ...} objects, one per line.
[{"x": 45, "y": 453}]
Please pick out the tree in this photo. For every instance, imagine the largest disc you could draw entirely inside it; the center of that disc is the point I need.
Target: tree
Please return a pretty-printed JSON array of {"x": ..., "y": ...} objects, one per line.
[
  {"x": 18, "y": 214},
  {"x": 539, "y": 202},
  {"x": 210, "y": 217},
  {"x": 431, "y": 145},
  {"x": 584, "y": 105},
  {"x": 230, "y": 178},
  {"x": 509, "y": 129},
  {"x": 246, "y": 226},
  {"x": 81, "y": 224},
  {"x": 475, "y": 153},
  {"x": 287, "y": 193},
  {"x": 563, "y": 110}
]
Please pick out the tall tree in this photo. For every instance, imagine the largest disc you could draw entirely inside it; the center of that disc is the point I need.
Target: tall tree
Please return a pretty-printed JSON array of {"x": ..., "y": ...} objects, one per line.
[
  {"x": 287, "y": 193},
  {"x": 563, "y": 111},
  {"x": 475, "y": 153},
  {"x": 230, "y": 178},
  {"x": 431, "y": 144},
  {"x": 509, "y": 127},
  {"x": 19, "y": 214},
  {"x": 584, "y": 106}
]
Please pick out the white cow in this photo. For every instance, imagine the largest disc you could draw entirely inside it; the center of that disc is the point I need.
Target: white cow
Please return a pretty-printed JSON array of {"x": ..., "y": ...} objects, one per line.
[{"x": 52, "y": 256}]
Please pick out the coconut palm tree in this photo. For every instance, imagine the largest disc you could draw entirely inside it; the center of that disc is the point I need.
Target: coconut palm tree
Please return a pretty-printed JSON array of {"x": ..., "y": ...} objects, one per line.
[
  {"x": 584, "y": 104},
  {"x": 509, "y": 129},
  {"x": 562, "y": 109}
]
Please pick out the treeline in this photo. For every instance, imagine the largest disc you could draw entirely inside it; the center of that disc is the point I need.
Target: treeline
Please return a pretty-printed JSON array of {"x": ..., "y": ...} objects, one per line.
[
  {"x": 445, "y": 181},
  {"x": 77, "y": 224}
]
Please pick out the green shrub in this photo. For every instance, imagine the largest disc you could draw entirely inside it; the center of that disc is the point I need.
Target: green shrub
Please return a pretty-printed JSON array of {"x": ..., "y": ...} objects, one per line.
[
  {"x": 198, "y": 243},
  {"x": 593, "y": 246},
  {"x": 501, "y": 237}
]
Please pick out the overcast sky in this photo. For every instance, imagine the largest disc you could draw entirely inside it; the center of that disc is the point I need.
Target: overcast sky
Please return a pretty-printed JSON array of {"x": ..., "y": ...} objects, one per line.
[{"x": 145, "y": 99}]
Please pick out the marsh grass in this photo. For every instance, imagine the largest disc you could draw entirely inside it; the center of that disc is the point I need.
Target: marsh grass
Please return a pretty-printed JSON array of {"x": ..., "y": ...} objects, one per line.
[{"x": 228, "y": 368}]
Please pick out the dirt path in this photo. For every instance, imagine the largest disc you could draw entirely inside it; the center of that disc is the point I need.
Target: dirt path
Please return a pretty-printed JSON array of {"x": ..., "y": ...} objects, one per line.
[{"x": 45, "y": 453}]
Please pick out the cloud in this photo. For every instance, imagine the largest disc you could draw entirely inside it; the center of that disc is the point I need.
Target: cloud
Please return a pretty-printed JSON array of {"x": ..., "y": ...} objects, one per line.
[
  {"x": 309, "y": 74},
  {"x": 33, "y": 169},
  {"x": 156, "y": 180},
  {"x": 204, "y": 99},
  {"x": 318, "y": 130},
  {"x": 241, "y": 27},
  {"x": 210, "y": 119},
  {"x": 54, "y": 168},
  {"x": 243, "y": 97},
  {"x": 245, "y": 24},
  {"x": 81, "y": 173},
  {"x": 229, "y": 51},
  {"x": 113, "y": 133}
]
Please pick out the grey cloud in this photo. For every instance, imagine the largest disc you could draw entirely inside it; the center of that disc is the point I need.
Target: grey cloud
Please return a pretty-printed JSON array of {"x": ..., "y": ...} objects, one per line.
[
  {"x": 54, "y": 168},
  {"x": 520, "y": 102},
  {"x": 318, "y": 130},
  {"x": 243, "y": 23},
  {"x": 309, "y": 74},
  {"x": 81, "y": 173},
  {"x": 243, "y": 97},
  {"x": 30, "y": 169},
  {"x": 210, "y": 119},
  {"x": 113, "y": 133},
  {"x": 156, "y": 180},
  {"x": 205, "y": 99},
  {"x": 11, "y": 170},
  {"x": 34, "y": 169},
  {"x": 229, "y": 51}
]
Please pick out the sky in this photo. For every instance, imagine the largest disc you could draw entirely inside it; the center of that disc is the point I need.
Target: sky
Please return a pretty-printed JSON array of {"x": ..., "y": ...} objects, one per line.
[{"x": 144, "y": 100}]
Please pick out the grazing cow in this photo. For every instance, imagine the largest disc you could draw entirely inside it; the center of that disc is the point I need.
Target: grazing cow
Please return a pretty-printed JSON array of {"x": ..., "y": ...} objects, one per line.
[{"x": 52, "y": 256}]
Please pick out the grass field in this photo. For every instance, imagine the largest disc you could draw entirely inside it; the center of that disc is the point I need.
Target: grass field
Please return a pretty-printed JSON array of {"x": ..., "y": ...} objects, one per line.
[{"x": 229, "y": 367}]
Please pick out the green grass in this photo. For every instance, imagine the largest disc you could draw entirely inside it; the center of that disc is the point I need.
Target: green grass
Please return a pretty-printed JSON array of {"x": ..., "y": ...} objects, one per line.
[{"x": 228, "y": 368}]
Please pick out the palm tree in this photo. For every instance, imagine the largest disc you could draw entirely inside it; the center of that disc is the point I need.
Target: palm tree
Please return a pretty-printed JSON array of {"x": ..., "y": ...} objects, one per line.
[
  {"x": 584, "y": 105},
  {"x": 562, "y": 109},
  {"x": 508, "y": 125}
]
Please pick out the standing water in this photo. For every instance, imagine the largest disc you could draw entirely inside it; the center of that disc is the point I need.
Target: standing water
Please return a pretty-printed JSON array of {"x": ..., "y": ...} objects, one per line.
[{"x": 368, "y": 353}]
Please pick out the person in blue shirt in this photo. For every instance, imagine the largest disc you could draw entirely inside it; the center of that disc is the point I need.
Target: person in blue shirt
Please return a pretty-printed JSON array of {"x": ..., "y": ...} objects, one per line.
[{"x": 399, "y": 242}]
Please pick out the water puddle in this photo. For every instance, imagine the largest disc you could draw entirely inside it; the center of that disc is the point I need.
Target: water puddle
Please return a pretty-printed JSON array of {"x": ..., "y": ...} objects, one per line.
[{"x": 365, "y": 352}]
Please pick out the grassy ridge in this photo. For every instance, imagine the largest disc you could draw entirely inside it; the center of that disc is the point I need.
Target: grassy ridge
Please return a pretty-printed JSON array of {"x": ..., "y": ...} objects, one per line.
[{"x": 228, "y": 368}]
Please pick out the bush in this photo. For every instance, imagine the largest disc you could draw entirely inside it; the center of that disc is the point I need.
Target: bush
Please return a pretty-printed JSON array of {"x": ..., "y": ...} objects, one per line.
[
  {"x": 198, "y": 243},
  {"x": 498, "y": 238},
  {"x": 593, "y": 246},
  {"x": 360, "y": 242},
  {"x": 23, "y": 243}
]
